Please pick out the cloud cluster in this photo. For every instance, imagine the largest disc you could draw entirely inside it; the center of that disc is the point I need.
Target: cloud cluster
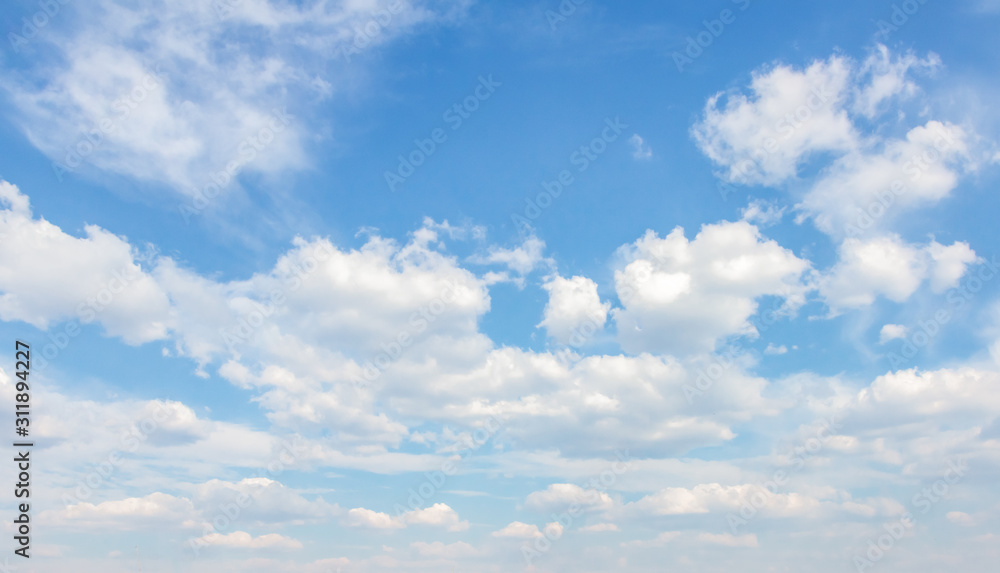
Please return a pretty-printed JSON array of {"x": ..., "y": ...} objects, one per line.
[
  {"x": 682, "y": 296},
  {"x": 793, "y": 116},
  {"x": 184, "y": 93}
]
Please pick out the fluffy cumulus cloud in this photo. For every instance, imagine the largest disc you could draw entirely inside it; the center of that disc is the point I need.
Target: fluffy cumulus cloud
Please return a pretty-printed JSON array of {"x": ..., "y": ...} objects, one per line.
[
  {"x": 681, "y": 296},
  {"x": 574, "y": 312},
  {"x": 963, "y": 391},
  {"x": 891, "y": 332},
  {"x": 888, "y": 266},
  {"x": 408, "y": 289},
  {"x": 47, "y": 276},
  {"x": 560, "y": 497},
  {"x": 437, "y": 515},
  {"x": 862, "y": 192},
  {"x": 790, "y": 114},
  {"x": 362, "y": 517},
  {"x": 153, "y": 510},
  {"x": 716, "y": 498},
  {"x": 340, "y": 308},
  {"x": 763, "y": 213},
  {"x": 518, "y": 530},
  {"x": 389, "y": 332}
]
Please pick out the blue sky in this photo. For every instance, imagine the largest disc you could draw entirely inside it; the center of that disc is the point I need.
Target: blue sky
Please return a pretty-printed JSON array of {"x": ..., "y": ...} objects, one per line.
[{"x": 693, "y": 286}]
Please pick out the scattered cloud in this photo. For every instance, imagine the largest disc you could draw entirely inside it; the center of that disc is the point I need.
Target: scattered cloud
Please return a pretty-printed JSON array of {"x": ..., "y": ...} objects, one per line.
[{"x": 640, "y": 150}]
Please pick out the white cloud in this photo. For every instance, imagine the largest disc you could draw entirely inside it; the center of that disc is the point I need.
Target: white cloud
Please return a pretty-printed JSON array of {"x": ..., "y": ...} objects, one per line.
[
  {"x": 415, "y": 296},
  {"x": 794, "y": 115},
  {"x": 352, "y": 314},
  {"x": 762, "y": 213},
  {"x": 891, "y": 332},
  {"x": 961, "y": 518},
  {"x": 553, "y": 530},
  {"x": 155, "y": 510},
  {"x": 558, "y": 497},
  {"x": 437, "y": 515},
  {"x": 340, "y": 311},
  {"x": 947, "y": 391},
  {"x": 679, "y": 299},
  {"x": 775, "y": 350},
  {"x": 883, "y": 77},
  {"x": 892, "y": 268},
  {"x": 719, "y": 499},
  {"x": 683, "y": 296},
  {"x": 640, "y": 150},
  {"x": 362, "y": 517},
  {"x": 574, "y": 311},
  {"x": 863, "y": 191},
  {"x": 522, "y": 259},
  {"x": 583, "y": 405},
  {"x": 791, "y": 114},
  {"x": 949, "y": 264},
  {"x": 518, "y": 530},
  {"x": 700, "y": 499},
  {"x": 273, "y": 502},
  {"x": 243, "y": 540},
  {"x": 171, "y": 93},
  {"x": 48, "y": 276}
]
